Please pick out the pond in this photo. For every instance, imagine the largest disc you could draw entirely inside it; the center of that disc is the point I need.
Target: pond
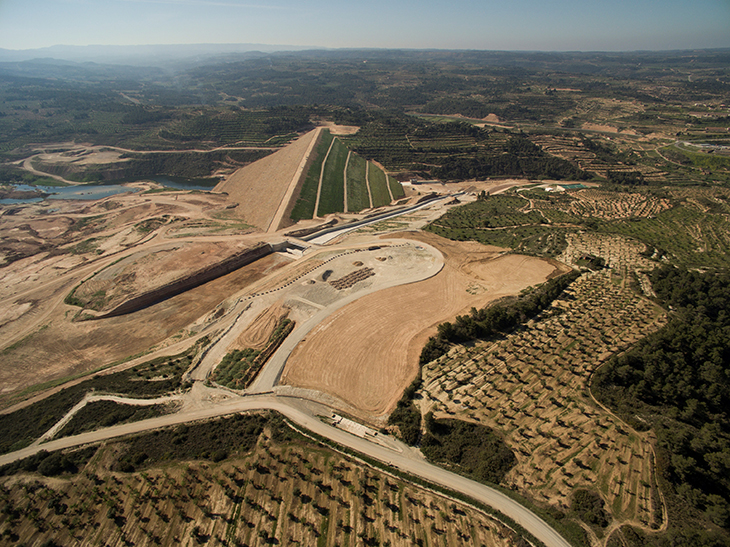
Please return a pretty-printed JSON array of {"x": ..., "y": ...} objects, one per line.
[
  {"x": 99, "y": 191},
  {"x": 81, "y": 191}
]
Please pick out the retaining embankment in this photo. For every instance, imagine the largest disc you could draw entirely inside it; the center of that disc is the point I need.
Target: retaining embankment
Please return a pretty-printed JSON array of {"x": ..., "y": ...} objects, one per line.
[{"x": 191, "y": 281}]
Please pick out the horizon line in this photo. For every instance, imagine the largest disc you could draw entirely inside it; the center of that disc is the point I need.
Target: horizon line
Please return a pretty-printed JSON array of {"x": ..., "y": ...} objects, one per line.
[{"x": 282, "y": 48}]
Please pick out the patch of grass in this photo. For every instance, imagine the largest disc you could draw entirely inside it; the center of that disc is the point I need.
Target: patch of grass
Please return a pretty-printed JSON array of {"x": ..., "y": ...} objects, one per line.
[
  {"x": 378, "y": 186},
  {"x": 332, "y": 197},
  {"x": 239, "y": 368},
  {"x": 396, "y": 188},
  {"x": 357, "y": 191},
  {"x": 304, "y": 207},
  {"x": 150, "y": 225}
]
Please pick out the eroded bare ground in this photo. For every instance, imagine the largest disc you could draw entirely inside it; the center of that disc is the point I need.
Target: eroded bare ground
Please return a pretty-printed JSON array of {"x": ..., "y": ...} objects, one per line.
[
  {"x": 533, "y": 387},
  {"x": 50, "y": 249}
]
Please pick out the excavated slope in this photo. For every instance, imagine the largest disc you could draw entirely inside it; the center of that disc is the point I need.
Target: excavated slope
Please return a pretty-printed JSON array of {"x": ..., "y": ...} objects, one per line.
[{"x": 264, "y": 188}]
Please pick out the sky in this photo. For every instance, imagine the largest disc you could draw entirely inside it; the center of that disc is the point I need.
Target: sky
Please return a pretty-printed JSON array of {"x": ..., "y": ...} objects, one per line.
[{"x": 546, "y": 25}]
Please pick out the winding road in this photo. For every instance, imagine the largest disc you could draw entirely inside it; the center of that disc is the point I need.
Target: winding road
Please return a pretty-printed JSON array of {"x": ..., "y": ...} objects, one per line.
[
  {"x": 202, "y": 402},
  {"x": 307, "y": 414}
]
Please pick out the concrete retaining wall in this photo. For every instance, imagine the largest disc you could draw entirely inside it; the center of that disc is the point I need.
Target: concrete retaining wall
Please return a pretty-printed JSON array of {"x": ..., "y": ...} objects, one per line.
[{"x": 196, "y": 279}]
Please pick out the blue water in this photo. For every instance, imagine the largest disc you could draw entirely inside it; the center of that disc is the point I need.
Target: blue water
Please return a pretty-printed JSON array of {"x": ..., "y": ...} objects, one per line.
[
  {"x": 83, "y": 191},
  {"x": 99, "y": 191}
]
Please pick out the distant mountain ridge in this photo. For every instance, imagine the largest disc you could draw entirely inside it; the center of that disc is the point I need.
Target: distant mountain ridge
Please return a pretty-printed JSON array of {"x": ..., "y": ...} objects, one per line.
[{"x": 141, "y": 55}]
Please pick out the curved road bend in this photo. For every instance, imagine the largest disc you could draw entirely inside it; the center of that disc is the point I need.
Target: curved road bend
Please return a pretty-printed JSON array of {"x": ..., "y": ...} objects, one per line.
[{"x": 403, "y": 457}]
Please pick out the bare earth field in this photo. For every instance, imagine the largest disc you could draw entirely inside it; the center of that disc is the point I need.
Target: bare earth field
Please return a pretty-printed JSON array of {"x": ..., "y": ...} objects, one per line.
[
  {"x": 50, "y": 248},
  {"x": 367, "y": 352},
  {"x": 256, "y": 335},
  {"x": 153, "y": 268},
  {"x": 259, "y": 188},
  {"x": 65, "y": 347}
]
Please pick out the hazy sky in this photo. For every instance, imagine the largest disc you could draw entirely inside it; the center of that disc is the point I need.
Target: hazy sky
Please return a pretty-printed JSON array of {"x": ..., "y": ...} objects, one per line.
[{"x": 555, "y": 25}]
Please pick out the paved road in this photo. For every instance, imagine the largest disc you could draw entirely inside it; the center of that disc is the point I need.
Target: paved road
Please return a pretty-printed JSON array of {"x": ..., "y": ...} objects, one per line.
[
  {"x": 203, "y": 403},
  {"x": 270, "y": 374},
  {"x": 305, "y": 413}
]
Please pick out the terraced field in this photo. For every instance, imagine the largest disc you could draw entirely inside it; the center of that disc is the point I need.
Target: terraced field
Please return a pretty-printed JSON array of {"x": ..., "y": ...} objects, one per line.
[
  {"x": 248, "y": 128},
  {"x": 339, "y": 180},
  {"x": 610, "y": 205},
  {"x": 690, "y": 229},
  {"x": 304, "y": 207},
  {"x": 533, "y": 387},
  {"x": 358, "y": 191},
  {"x": 599, "y": 155}
]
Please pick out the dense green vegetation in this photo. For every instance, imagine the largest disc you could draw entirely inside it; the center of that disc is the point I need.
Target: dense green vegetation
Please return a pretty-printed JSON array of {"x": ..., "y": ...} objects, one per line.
[
  {"x": 239, "y": 367},
  {"x": 500, "y": 220},
  {"x": 51, "y": 464},
  {"x": 455, "y": 150},
  {"x": 677, "y": 381},
  {"x": 417, "y": 109},
  {"x": 138, "y": 166},
  {"x": 497, "y": 318},
  {"x": 14, "y": 175},
  {"x": 589, "y": 507},
  {"x": 407, "y": 416},
  {"x": 474, "y": 449},
  {"x": 108, "y": 413},
  {"x": 241, "y": 127},
  {"x": 693, "y": 232},
  {"x": 332, "y": 196},
  {"x": 304, "y": 207},
  {"x": 152, "y": 379},
  {"x": 214, "y": 440},
  {"x": 517, "y": 157}
]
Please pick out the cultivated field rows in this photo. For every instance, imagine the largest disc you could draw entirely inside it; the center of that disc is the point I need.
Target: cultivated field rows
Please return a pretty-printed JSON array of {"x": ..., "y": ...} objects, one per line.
[
  {"x": 533, "y": 387},
  {"x": 618, "y": 252},
  {"x": 280, "y": 494},
  {"x": 573, "y": 149},
  {"x": 607, "y": 205}
]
